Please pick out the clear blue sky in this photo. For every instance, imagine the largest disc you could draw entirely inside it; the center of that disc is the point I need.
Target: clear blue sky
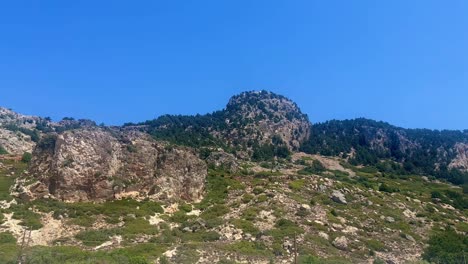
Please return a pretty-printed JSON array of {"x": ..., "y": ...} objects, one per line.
[{"x": 404, "y": 62}]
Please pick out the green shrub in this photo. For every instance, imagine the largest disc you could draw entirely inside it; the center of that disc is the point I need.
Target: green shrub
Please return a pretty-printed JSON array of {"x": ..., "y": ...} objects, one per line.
[
  {"x": 94, "y": 238},
  {"x": 3, "y": 150},
  {"x": 446, "y": 247},
  {"x": 180, "y": 217},
  {"x": 315, "y": 168},
  {"x": 250, "y": 213},
  {"x": 245, "y": 226},
  {"x": 28, "y": 218},
  {"x": 297, "y": 185},
  {"x": 214, "y": 211},
  {"x": 7, "y": 238},
  {"x": 262, "y": 198},
  {"x": 185, "y": 207},
  {"x": 249, "y": 248},
  {"x": 247, "y": 198},
  {"x": 375, "y": 245},
  {"x": 285, "y": 228},
  {"x": 385, "y": 188},
  {"x": 26, "y": 158},
  {"x": 258, "y": 190}
]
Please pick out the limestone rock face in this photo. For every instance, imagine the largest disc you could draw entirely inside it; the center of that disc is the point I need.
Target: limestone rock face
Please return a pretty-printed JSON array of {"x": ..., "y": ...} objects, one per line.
[{"x": 101, "y": 163}]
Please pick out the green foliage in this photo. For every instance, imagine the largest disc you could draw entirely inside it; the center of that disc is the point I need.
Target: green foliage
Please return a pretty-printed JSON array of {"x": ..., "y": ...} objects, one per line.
[
  {"x": 285, "y": 228},
  {"x": 47, "y": 142},
  {"x": 214, "y": 211},
  {"x": 192, "y": 131},
  {"x": 267, "y": 174},
  {"x": 386, "y": 188},
  {"x": 180, "y": 217},
  {"x": 26, "y": 158},
  {"x": 201, "y": 236},
  {"x": 309, "y": 259},
  {"x": 436, "y": 195},
  {"x": 315, "y": 168},
  {"x": 94, "y": 238},
  {"x": 5, "y": 184},
  {"x": 262, "y": 198},
  {"x": 446, "y": 247},
  {"x": 297, "y": 185},
  {"x": 258, "y": 190},
  {"x": 3, "y": 150},
  {"x": 249, "y": 248},
  {"x": 247, "y": 198},
  {"x": 7, "y": 238},
  {"x": 375, "y": 245},
  {"x": 185, "y": 207},
  {"x": 250, "y": 213},
  {"x": 138, "y": 254},
  {"x": 267, "y": 152},
  {"x": 33, "y": 133},
  {"x": 334, "y": 138},
  {"x": 216, "y": 188},
  {"x": 186, "y": 254},
  {"x": 28, "y": 217},
  {"x": 246, "y": 226}
]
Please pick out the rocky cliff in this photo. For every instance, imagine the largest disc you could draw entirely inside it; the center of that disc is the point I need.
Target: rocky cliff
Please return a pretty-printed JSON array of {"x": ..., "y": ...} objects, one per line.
[{"x": 101, "y": 164}]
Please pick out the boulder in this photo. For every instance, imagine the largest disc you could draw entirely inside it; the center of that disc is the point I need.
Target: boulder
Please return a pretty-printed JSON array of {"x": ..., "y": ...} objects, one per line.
[
  {"x": 338, "y": 197},
  {"x": 340, "y": 243}
]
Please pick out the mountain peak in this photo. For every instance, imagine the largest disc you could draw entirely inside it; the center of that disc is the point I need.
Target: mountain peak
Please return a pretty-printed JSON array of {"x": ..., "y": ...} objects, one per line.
[{"x": 267, "y": 114}]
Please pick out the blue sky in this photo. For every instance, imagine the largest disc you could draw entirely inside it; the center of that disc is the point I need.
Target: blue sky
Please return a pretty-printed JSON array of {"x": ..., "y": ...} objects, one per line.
[{"x": 404, "y": 62}]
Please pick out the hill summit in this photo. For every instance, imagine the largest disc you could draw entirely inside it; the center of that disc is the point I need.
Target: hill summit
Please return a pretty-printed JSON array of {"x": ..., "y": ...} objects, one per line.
[{"x": 251, "y": 121}]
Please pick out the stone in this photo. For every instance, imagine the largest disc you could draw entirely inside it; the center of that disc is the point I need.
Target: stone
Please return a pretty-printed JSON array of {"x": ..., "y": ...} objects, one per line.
[
  {"x": 409, "y": 237},
  {"x": 338, "y": 197},
  {"x": 390, "y": 219},
  {"x": 350, "y": 230},
  {"x": 323, "y": 235},
  {"x": 340, "y": 243}
]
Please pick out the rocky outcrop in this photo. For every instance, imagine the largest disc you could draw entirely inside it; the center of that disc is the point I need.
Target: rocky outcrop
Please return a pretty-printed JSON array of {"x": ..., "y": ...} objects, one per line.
[
  {"x": 10, "y": 118},
  {"x": 341, "y": 243},
  {"x": 18, "y": 132},
  {"x": 101, "y": 164},
  {"x": 261, "y": 115},
  {"x": 15, "y": 142},
  {"x": 461, "y": 160},
  {"x": 338, "y": 197},
  {"x": 223, "y": 160}
]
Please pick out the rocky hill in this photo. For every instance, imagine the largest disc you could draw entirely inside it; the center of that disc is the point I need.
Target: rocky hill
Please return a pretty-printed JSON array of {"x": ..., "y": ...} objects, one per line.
[
  {"x": 442, "y": 154},
  {"x": 255, "y": 182},
  {"x": 251, "y": 121}
]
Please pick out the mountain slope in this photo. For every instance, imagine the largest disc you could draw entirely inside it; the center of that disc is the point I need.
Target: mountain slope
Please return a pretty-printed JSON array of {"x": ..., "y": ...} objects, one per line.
[
  {"x": 417, "y": 151},
  {"x": 232, "y": 187}
]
